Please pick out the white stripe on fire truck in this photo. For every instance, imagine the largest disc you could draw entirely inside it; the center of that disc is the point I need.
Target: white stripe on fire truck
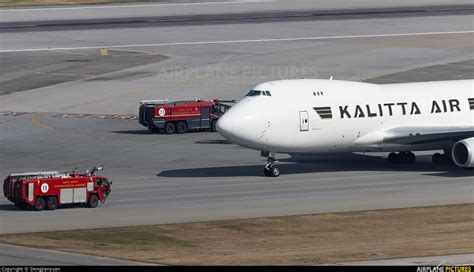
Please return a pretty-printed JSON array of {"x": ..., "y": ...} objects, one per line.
[{"x": 179, "y": 115}]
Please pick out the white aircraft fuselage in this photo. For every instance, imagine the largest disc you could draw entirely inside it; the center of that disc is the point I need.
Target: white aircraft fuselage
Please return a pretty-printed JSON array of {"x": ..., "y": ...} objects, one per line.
[{"x": 310, "y": 116}]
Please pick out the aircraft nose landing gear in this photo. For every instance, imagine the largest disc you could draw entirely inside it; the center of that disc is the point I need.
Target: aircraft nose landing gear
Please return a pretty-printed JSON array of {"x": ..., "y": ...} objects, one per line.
[{"x": 270, "y": 169}]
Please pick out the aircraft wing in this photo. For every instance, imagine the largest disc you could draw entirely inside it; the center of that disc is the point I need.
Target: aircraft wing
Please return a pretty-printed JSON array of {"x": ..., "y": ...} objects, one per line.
[{"x": 424, "y": 135}]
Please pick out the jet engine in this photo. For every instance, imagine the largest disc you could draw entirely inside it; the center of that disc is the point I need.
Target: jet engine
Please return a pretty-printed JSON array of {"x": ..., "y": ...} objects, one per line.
[{"x": 463, "y": 153}]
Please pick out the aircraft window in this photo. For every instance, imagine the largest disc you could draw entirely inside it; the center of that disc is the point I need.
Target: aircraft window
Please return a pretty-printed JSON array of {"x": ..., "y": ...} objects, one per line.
[
  {"x": 254, "y": 93},
  {"x": 258, "y": 93}
]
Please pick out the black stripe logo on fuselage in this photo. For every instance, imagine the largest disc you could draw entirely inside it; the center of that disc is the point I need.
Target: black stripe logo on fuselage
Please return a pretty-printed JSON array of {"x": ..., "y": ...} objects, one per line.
[{"x": 324, "y": 112}]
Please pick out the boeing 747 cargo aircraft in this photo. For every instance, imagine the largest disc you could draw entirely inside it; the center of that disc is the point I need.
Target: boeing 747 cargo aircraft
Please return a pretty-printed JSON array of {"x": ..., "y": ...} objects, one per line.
[{"x": 310, "y": 116}]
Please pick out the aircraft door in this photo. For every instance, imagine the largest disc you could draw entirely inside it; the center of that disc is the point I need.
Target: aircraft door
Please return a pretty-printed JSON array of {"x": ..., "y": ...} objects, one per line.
[{"x": 304, "y": 121}]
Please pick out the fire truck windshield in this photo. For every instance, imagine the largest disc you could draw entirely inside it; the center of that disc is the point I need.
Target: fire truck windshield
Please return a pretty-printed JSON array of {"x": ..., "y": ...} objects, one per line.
[
  {"x": 103, "y": 182},
  {"x": 221, "y": 108}
]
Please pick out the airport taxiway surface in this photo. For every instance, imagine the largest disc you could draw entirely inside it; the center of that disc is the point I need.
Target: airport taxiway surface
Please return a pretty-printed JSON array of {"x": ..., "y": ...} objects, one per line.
[
  {"x": 200, "y": 176},
  {"x": 18, "y": 255},
  {"x": 207, "y": 7},
  {"x": 211, "y": 57}
]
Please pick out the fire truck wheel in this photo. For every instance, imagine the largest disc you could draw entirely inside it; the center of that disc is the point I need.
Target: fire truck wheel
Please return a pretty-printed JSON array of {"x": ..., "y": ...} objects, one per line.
[
  {"x": 39, "y": 205},
  {"x": 169, "y": 128},
  {"x": 52, "y": 203},
  {"x": 93, "y": 201},
  {"x": 152, "y": 129},
  {"x": 213, "y": 126},
  {"x": 21, "y": 205},
  {"x": 181, "y": 127}
]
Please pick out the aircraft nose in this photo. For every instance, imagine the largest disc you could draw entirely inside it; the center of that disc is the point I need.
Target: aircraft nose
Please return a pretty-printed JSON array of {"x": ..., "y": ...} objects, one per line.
[
  {"x": 225, "y": 125},
  {"x": 241, "y": 124}
]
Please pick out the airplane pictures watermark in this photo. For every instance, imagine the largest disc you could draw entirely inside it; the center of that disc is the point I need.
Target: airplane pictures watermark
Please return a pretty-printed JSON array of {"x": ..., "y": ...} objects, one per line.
[
  {"x": 238, "y": 73},
  {"x": 439, "y": 268}
]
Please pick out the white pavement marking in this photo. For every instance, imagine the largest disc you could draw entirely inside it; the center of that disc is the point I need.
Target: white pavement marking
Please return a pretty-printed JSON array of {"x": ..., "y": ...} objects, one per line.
[
  {"x": 239, "y": 41},
  {"x": 136, "y": 5}
]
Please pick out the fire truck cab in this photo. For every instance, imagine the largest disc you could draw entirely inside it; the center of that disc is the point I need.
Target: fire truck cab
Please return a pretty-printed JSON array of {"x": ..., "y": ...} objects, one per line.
[
  {"x": 49, "y": 189},
  {"x": 181, "y": 116}
]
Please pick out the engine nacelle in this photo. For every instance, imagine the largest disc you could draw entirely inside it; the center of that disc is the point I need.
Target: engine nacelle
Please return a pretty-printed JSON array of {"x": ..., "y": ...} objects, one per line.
[{"x": 463, "y": 153}]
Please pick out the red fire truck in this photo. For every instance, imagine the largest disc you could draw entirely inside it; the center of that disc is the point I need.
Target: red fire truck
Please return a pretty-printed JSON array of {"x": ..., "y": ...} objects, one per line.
[
  {"x": 181, "y": 116},
  {"x": 49, "y": 189}
]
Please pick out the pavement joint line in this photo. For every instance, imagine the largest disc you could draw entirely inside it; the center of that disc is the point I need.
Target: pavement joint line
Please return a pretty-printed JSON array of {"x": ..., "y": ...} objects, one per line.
[
  {"x": 36, "y": 119},
  {"x": 73, "y": 53},
  {"x": 12, "y": 113},
  {"x": 72, "y": 115},
  {"x": 105, "y": 6},
  {"x": 96, "y": 116},
  {"x": 460, "y": 66},
  {"x": 242, "y": 41},
  {"x": 63, "y": 74}
]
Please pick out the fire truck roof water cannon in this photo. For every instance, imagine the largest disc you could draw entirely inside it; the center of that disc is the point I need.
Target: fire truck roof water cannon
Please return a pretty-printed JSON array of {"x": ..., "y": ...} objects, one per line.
[
  {"x": 49, "y": 189},
  {"x": 163, "y": 116}
]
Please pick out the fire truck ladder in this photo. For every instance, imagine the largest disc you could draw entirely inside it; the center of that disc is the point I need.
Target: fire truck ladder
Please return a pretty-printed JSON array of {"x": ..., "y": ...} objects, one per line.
[{"x": 42, "y": 174}]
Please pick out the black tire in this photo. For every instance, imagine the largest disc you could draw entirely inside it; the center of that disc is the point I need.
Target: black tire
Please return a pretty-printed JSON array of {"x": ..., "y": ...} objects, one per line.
[
  {"x": 274, "y": 171},
  {"x": 392, "y": 157},
  {"x": 21, "y": 205},
  {"x": 437, "y": 159},
  {"x": 170, "y": 128},
  {"x": 181, "y": 127},
  {"x": 52, "y": 203},
  {"x": 410, "y": 158},
  {"x": 447, "y": 159},
  {"x": 93, "y": 201},
  {"x": 266, "y": 172},
  {"x": 39, "y": 204},
  {"x": 213, "y": 126},
  {"x": 402, "y": 157},
  {"x": 152, "y": 129}
]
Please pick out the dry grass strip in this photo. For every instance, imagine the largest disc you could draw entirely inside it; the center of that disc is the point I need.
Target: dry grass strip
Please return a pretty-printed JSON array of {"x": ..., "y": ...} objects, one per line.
[{"x": 290, "y": 240}]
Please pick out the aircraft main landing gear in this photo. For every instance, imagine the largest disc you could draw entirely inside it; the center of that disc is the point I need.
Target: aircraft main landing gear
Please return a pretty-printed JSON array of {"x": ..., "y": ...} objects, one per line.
[
  {"x": 270, "y": 169},
  {"x": 402, "y": 157},
  {"x": 440, "y": 159}
]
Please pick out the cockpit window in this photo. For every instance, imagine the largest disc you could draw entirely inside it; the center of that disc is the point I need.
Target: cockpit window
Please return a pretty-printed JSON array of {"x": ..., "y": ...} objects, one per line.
[
  {"x": 254, "y": 93},
  {"x": 258, "y": 93}
]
